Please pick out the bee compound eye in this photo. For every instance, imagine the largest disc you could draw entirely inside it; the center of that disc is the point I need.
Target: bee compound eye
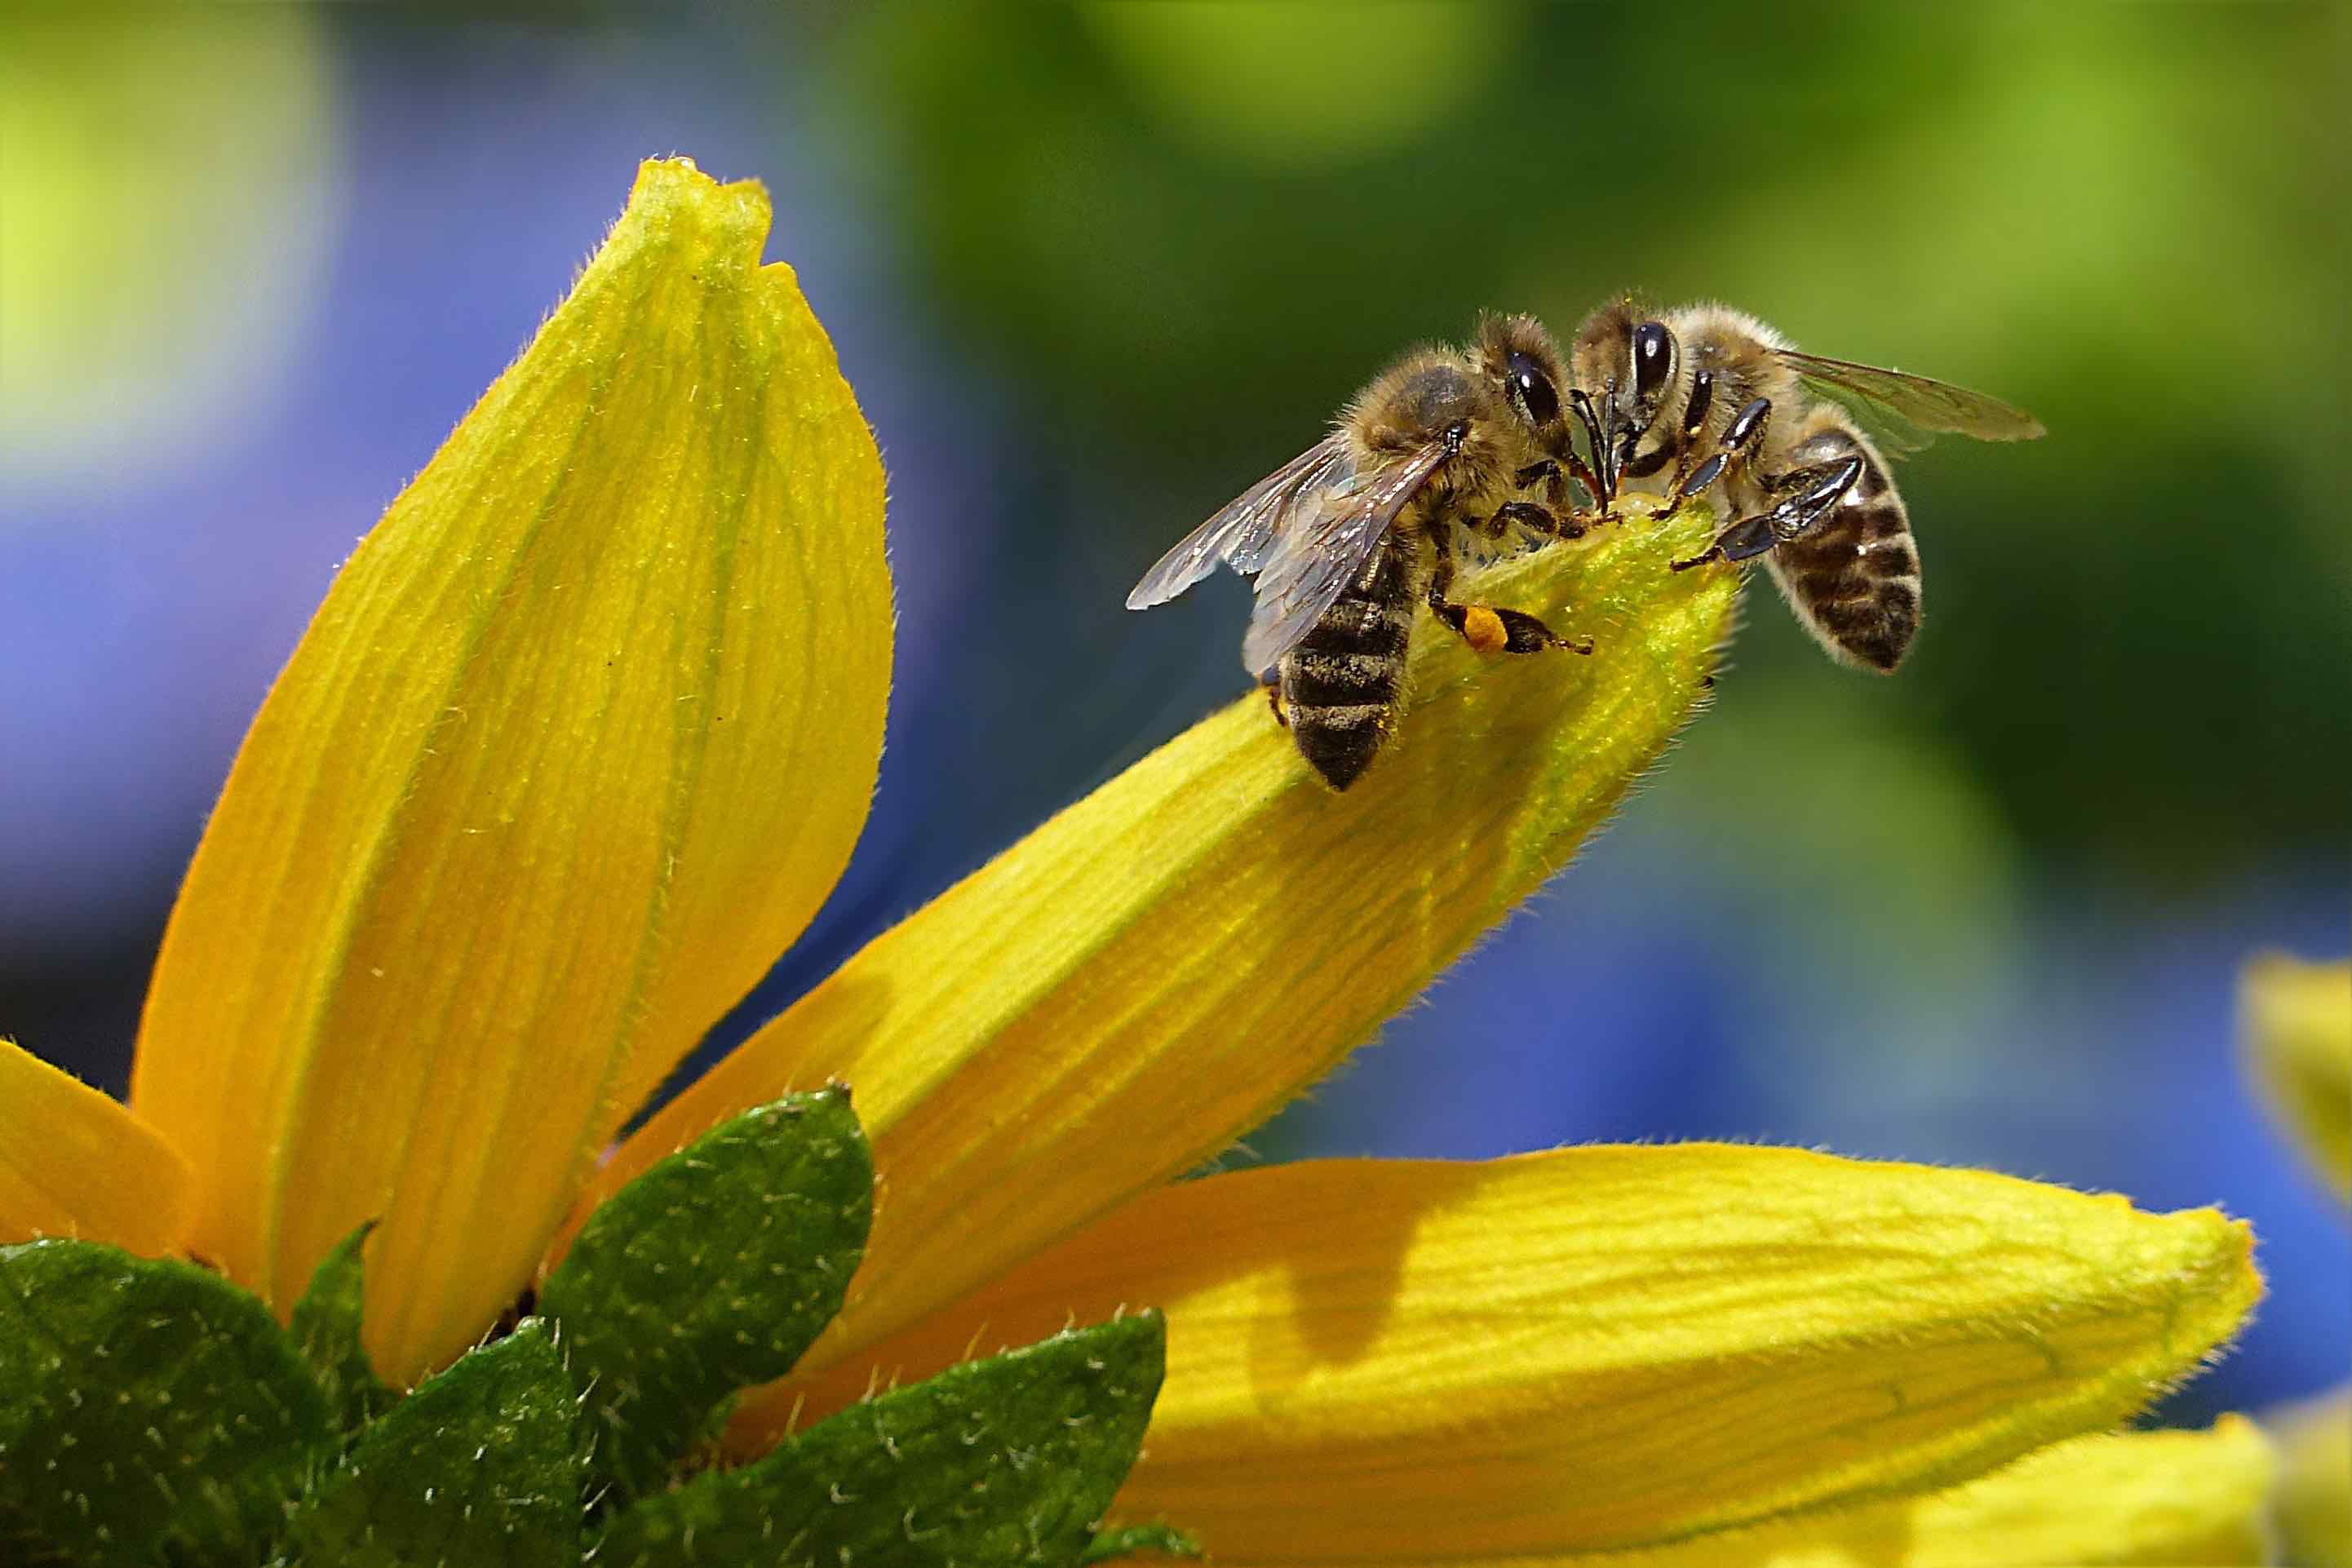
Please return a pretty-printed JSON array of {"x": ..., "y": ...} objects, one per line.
[
  {"x": 1653, "y": 359},
  {"x": 1536, "y": 393}
]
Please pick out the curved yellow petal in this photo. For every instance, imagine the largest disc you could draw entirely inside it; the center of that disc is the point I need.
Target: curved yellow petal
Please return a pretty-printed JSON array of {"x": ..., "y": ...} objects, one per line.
[
  {"x": 2298, "y": 1030},
  {"x": 2313, "y": 1504},
  {"x": 1597, "y": 1349},
  {"x": 2140, "y": 1499},
  {"x": 1163, "y": 965},
  {"x": 73, "y": 1161},
  {"x": 580, "y": 739}
]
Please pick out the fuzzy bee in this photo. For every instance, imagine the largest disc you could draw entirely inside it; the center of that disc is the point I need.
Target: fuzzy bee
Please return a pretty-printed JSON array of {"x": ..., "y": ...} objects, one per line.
[
  {"x": 1704, "y": 396},
  {"x": 1446, "y": 446}
]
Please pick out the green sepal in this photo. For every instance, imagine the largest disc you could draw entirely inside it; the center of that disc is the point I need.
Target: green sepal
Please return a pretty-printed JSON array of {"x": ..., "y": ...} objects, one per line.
[
  {"x": 1011, "y": 1459},
  {"x": 150, "y": 1410},
  {"x": 326, "y": 1326},
  {"x": 1139, "y": 1539},
  {"x": 478, "y": 1469},
  {"x": 710, "y": 1272}
]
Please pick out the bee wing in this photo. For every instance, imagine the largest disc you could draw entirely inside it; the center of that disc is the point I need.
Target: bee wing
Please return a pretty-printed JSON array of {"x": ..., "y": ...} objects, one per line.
[
  {"x": 1241, "y": 533},
  {"x": 1929, "y": 407},
  {"x": 1310, "y": 562}
]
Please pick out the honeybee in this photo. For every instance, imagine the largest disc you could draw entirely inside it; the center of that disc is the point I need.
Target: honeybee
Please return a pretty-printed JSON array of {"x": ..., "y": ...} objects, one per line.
[
  {"x": 1344, "y": 537},
  {"x": 1705, "y": 396}
]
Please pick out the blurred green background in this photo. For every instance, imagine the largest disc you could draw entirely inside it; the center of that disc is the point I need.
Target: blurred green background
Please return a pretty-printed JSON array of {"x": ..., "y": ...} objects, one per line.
[{"x": 1094, "y": 270}]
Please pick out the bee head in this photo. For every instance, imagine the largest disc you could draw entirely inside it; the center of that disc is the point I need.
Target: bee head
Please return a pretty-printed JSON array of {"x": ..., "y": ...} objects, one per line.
[
  {"x": 1524, "y": 366},
  {"x": 1626, "y": 359}
]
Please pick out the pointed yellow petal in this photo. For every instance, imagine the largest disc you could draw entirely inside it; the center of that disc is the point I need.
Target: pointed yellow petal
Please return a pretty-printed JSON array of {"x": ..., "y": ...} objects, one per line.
[
  {"x": 2298, "y": 1030},
  {"x": 73, "y": 1161},
  {"x": 1159, "y": 967},
  {"x": 1597, "y": 1348},
  {"x": 578, "y": 741},
  {"x": 2313, "y": 1505}
]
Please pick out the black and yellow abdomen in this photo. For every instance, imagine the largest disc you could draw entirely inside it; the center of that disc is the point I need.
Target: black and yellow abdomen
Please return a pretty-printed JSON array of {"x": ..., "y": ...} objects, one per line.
[
  {"x": 1344, "y": 681},
  {"x": 1853, "y": 577}
]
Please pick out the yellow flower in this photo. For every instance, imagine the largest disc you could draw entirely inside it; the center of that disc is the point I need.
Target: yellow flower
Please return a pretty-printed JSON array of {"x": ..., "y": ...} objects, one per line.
[{"x": 582, "y": 735}]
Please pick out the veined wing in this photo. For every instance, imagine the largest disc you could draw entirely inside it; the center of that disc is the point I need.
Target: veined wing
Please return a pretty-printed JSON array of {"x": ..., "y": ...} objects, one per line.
[
  {"x": 1241, "y": 533},
  {"x": 1307, "y": 564},
  {"x": 1934, "y": 407}
]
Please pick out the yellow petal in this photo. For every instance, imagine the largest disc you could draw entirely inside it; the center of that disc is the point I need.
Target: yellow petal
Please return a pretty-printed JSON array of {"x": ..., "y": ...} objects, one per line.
[
  {"x": 577, "y": 743},
  {"x": 2298, "y": 1030},
  {"x": 2162, "y": 1500},
  {"x": 1598, "y": 1349},
  {"x": 1163, "y": 965},
  {"x": 73, "y": 1161},
  {"x": 2313, "y": 1504}
]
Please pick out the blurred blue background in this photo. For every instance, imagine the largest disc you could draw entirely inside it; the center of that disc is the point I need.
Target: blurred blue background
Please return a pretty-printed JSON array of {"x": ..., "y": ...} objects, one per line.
[{"x": 1093, "y": 270}]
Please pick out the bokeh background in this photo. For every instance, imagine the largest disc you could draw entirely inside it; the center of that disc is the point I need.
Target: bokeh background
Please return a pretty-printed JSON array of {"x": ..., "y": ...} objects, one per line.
[{"x": 1093, "y": 270}]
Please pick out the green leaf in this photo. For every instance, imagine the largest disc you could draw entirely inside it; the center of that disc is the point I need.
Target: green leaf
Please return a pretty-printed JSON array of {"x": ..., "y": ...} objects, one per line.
[
  {"x": 1136, "y": 1540},
  {"x": 1007, "y": 1461},
  {"x": 478, "y": 1468},
  {"x": 326, "y": 1326},
  {"x": 146, "y": 1407},
  {"x": 712, "y": 1271}
]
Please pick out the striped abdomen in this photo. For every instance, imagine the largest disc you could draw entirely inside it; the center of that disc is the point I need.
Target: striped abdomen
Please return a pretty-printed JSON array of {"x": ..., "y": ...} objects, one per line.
[
  {"x": 1853, "y": 577},
  {"x": 1343, "y": 682}
]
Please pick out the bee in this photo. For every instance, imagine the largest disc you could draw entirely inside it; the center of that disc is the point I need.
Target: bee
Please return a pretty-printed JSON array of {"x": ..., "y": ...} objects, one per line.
[
  {"x": 1446, "y": 447},
  {"x": 1705, "y": 396}
]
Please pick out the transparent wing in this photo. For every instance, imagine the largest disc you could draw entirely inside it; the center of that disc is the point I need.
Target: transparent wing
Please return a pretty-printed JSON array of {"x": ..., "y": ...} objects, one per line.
[
  {"x": 1241, "y": 533},
  {"x": 1929, "y": 407},
  {"x": 1308, "y": 562}
]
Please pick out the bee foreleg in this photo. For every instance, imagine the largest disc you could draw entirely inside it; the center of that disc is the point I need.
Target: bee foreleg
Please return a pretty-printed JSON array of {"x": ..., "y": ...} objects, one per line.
[
  {"x": 1813, "y": 491},
  {"x": 1687, "y": 480},
  {"x": 1598, "y": 475},
  {"x": 1548, "y": 480}
]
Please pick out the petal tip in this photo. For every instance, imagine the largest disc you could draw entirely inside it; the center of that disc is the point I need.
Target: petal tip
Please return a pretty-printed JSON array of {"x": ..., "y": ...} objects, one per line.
[{"x": 673, "y": 195}]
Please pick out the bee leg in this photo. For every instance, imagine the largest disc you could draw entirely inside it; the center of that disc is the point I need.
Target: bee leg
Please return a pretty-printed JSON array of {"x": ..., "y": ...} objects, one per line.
[
  {"x": 1550, "y": 479},
  {"x": 1812, "y": 493},
  {"x": 1549, "y": 482},
  {"x": 1598, "y": 475},
  {"x": 1274, "y": 701},
  {"x": 1490, "y": 628},
  {"x": 1687, "y": 480},
  {"x": 1744, "y": 436},
  {"x": 1688, "y": 484},
  {"x": 1537, "y": 519}
]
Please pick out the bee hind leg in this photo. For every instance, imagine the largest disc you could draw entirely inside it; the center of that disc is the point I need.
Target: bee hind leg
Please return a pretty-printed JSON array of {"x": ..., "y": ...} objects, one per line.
[
  {"x": 1490, "y": 628},
  {"x": 1274, "y": 701},
  {"x": 1809, "y": 494}
]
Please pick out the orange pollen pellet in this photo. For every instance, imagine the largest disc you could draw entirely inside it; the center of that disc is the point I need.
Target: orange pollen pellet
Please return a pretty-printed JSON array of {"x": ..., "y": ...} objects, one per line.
[{"x": 1484, "y": 629}]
